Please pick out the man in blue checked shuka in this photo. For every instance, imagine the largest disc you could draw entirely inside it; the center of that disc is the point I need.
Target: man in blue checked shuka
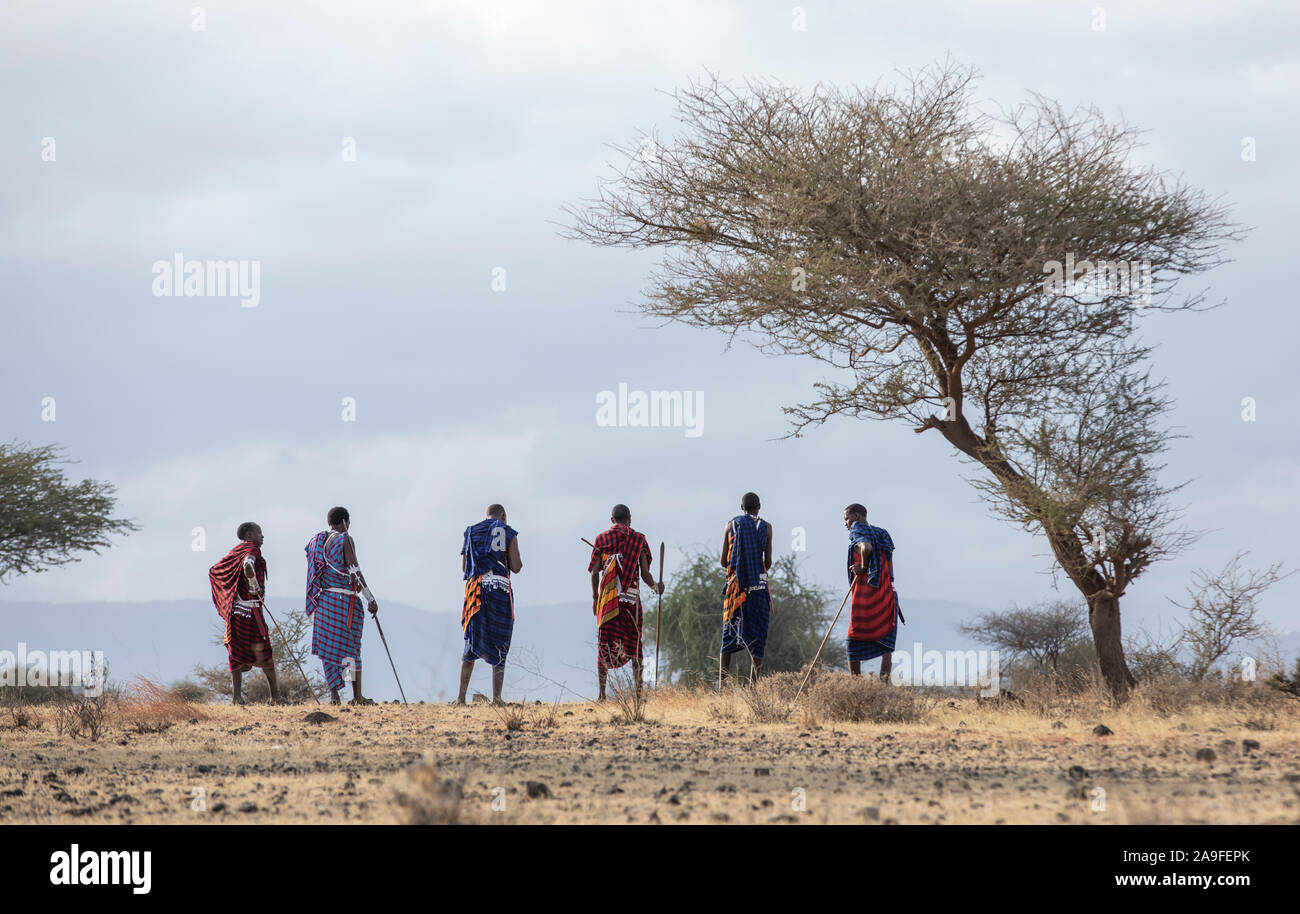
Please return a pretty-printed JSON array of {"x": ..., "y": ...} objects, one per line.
[
  {"x": 335, "y": 586},
  {"x": 488, "y": 556},
  {"x": 746, "y": 602}
]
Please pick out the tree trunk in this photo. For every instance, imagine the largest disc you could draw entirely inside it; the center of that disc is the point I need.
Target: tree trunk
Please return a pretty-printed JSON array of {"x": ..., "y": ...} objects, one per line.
[{"x": 1103, "y": 616}]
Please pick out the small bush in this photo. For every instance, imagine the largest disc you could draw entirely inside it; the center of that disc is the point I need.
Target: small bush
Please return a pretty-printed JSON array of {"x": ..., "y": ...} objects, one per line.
[
  {"x": 629, "y": 701},
  {"x": 770, "y": 700},
  {"x": 841, "y": 697},
  {"x": 191, "y": 692},
  {"x": 81, "y": 715},
  {"x": 1168, "y": 695},
  {"x": 512, "y": 717},
  {"x": 148, "y": 705},
  {"x": 23, "y": 719}
]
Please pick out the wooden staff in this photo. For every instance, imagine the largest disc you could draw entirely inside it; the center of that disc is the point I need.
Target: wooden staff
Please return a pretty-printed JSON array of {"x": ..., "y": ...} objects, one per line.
[
  {"x": 375, "y": 616},
  {"x": 823, "y": 644},
  {"x": 659, "y": 614},
  {"x": 289, "y": 649}
]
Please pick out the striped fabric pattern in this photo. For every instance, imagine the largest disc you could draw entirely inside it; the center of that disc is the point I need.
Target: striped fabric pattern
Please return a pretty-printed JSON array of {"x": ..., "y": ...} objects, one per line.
[
  {"x": 872, "y": 610},
  {"x": 606, "y": 603}
]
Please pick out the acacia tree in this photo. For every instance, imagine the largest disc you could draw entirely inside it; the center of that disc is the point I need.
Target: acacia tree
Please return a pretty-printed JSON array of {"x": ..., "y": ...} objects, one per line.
[
  {"x": 1044, "y": 632},
  {"x": 1222, "y": 609},
  {"x": 969, "y": 272},
  {"x": 45, "y": 520}
]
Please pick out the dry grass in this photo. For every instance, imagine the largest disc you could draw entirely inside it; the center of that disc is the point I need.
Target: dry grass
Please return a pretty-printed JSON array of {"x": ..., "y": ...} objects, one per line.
[
  {"x": 854, "y": 699},
  {"x": 512, "y": 716},
  {"x": 629, "y": 702},
  {"x": 150, "y": 707},
  {"x": 709, "y": 757}
]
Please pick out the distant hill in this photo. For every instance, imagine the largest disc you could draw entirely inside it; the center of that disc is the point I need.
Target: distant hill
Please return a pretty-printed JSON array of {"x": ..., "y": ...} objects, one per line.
[{"x": 552, "y": 655}]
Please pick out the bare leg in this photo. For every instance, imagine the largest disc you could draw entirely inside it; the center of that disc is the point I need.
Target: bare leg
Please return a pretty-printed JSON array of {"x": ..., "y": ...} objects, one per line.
[
  {"x": 466, "y": 670},
  {"x": 498, "y": 680},
  {"x": 356, "y": 687},
  {"x": 237, "y": 686},
  {"x": 886, "y": 665},
  {"x": 724, "y": 669},
  {"x": 636, "y": 675},
  {"x": 601, "y": 673},
  {"x": 855, "y": 667},
  {"x": 273, "y": 682},
  {"x": 757, "y": 666}
]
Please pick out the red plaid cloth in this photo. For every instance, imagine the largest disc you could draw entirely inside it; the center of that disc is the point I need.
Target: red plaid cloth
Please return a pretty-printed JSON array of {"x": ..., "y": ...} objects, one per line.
[
  {"x": 622, "y": 541},
  {"x": 872, "y": 609},
  {"x": 247, "y": 647},
  {"x": 229, "y": 584},
  {"x": 619, "y": 637},
  {"x": 247, "y": 641}
]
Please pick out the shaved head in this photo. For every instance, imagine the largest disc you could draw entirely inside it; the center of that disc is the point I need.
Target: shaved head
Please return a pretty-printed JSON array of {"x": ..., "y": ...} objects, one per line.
[{"x": 497, "y": 511}]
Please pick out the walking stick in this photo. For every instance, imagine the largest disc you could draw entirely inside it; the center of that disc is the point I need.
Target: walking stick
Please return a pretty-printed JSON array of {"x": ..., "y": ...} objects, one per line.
[
  {"x": 375, "y": 616},
  {"x": 823, "y": 644},
  {"x": 289, "y": 649},
  {"x": 659, "y": 613}
]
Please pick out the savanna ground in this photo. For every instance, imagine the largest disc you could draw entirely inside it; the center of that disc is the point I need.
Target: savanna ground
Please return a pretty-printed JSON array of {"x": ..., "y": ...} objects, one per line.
[{"x": 848, "y": 752}]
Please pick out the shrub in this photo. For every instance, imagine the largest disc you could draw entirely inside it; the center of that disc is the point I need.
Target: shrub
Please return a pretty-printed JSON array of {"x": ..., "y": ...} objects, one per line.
[{"x": 838, "y": 696}]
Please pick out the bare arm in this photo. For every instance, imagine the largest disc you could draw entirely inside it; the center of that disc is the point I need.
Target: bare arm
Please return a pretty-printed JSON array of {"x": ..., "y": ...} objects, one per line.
[
  {"x": 513, "y": 560},
  {"x": 250, "y": 575},
  {"x": 646, "y": 576},
  {"x": 767, "y": 554},
  {"x": 354, "y": 572},
  {"x": 864, "y": 550},
  {"x": 726, "y": 541}
]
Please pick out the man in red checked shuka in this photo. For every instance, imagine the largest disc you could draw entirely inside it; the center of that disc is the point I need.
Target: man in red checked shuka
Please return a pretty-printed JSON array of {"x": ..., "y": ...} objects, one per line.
[
  {"x": 238, "y": 588},
  {"x": 619, "y": 557}
]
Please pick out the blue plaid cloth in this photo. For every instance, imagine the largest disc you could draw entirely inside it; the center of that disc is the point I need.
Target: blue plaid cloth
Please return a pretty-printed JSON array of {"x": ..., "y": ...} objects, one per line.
[
  {"x": 488, "y": 634},
  {"x": 880, "y": 541},
  {"x": 748, "y": 627},
  {"x": 480, "y": 557},
  {"x": 870, "y": 650},
  {"x": 748, "y": 546}
]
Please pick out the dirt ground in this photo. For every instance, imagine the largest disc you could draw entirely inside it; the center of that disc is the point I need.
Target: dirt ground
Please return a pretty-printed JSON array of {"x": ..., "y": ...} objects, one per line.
[{"x": 697, "y": 759}]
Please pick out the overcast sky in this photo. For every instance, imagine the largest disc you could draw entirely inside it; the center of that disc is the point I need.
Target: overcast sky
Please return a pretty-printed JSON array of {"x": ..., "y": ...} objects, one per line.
[{"x": 473, "y": 125}]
